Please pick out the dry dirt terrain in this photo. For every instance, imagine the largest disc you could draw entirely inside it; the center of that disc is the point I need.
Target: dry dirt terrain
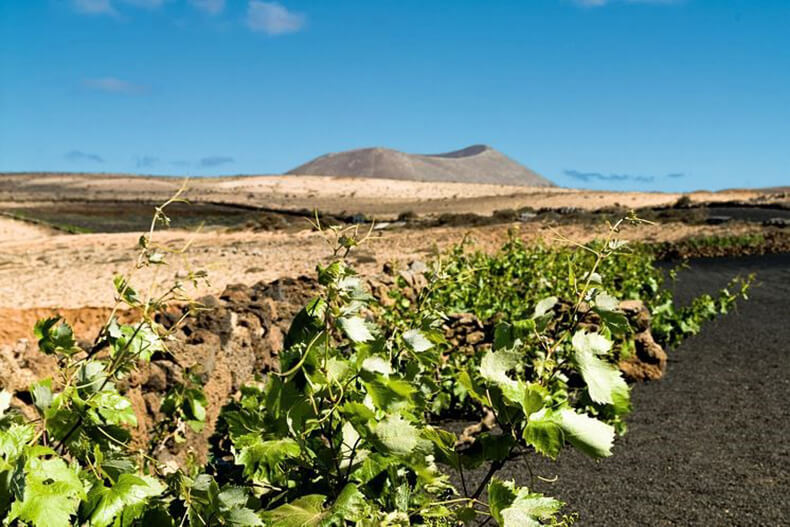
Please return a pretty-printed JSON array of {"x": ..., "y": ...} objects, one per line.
[
  {"x": 43, "y": 267},
  {"x": 381, "y": 198},
  {"x": 48, "y": 269}
]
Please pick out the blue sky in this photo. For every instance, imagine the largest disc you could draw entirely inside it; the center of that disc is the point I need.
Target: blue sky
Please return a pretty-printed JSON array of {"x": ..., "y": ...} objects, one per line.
[{"x": 619, "y": 94}]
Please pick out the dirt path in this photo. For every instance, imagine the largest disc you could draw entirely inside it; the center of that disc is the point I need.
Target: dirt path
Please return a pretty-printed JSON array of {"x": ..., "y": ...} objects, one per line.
[{"x": 708, "y": 445}]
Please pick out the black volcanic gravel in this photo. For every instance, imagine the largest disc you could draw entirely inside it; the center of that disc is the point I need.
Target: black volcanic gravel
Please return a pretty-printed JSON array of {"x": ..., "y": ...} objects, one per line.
[{"x": 710, "y": 443}]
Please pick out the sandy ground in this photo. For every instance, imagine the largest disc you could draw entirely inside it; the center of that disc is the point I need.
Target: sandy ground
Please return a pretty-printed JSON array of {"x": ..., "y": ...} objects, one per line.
[
  {"x": 381, "y": 198},
  {"x": 14, "y": 230},
  {"x": 39, "y": 269}
]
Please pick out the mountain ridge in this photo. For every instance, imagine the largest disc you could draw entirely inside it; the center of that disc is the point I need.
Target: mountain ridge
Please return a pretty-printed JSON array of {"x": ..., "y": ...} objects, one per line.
[{"x": 477, "y": 163}]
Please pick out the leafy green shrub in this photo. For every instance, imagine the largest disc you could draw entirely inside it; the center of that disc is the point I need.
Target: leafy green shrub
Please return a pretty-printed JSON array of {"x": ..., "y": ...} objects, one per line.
[
  {"x": 73, "y": 464},
  {"x": 345, "y": 433},
  {"x": 508, "y": 284}
]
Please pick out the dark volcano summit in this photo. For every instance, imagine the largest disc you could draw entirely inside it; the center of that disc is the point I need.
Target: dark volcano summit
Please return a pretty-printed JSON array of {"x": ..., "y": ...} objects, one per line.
[{"x": 473, "y": 164}]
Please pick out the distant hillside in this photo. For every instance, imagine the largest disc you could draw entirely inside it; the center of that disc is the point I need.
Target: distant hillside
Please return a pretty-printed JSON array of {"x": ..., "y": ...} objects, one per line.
[{"x": 474, "y": 164}]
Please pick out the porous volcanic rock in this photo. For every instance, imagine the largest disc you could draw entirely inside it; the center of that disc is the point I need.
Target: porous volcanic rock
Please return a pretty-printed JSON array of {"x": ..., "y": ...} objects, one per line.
[
  {"x": 650, "y": 360},
  {"x": 238, "y": 335}
]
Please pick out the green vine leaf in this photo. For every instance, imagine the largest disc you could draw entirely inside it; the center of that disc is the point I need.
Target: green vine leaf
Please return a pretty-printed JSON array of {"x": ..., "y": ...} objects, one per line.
[
  {"x": 416, "y": 340},
  {"x": 355, "y": 329},
  {"x": 141, "y": 341},
  {"x": 586, "y": 433},
  {"x": 377, "y": 364},
  {"x": 591, "y": 342},
  {"x": 125, "y": 291},
  {"x": 262, "y": 459},
  {"x": 605, "y": 383},
  {"x": 104, "y": 504},
  {"x": 543, "y": 307},
  {"x": 351, "y": 504},
  {"x": 54, "y": 338},
  {"x": 13, "y": 441},
  {"x": 42, "y": 395},
  {"x": 114, "y": 408},
  {"x": 389, "y": 393},
  {"x": 52, "y": 493},
  {"x": 495, "y": 365},
  {"x": 513, "y": 506},
  {"x": 242, "y": 518},
  {"x": 544, "y": 433},
  {"x": 606, "y": 302},
  {"x": 307, "y": 511},
  {"x": 397, "y": 435}
]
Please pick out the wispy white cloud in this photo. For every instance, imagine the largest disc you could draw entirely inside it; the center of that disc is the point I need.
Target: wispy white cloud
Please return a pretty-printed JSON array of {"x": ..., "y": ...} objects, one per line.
[
  {"x": 215, "y": 161},
  {"x": 113, "y": 85},
  {"x": 78, "y": 156},
  {"x": 273, "y": 18},
  {"x": 94, "y": 7},
  {"x": 146, "y": 161},
  {"x": 108, "y": 7},
  {"x": 212, "y": 7},
  {"x": 146, "y": 4},
  {"x": 601, "y": 3},
  {"x": 592, "y": 176}
]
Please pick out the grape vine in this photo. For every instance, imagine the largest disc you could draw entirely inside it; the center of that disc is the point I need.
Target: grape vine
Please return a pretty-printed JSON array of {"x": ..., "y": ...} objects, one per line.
[{"x": 351, "y": 429}]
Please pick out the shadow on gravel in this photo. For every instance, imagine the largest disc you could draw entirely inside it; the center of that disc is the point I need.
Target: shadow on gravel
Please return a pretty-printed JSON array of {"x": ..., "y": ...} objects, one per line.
[{"x": 710, "y": 443}]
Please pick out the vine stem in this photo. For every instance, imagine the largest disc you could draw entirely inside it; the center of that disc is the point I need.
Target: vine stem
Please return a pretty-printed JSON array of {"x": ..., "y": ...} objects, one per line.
[
  {"x": 599, "y": 257},
  {"x": 303, "y": 359},
  {"x": 463, "y": 479},
  {"x": 461, "y": 500},
  {"x": 495, "y": 466},
  {"x": 114, "y": 366}
]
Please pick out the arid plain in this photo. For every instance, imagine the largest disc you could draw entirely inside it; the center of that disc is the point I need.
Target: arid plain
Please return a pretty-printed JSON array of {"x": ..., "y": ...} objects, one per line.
[
  {"x": 43, "y": 264},
  {"x": 64, "y": 236}
]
